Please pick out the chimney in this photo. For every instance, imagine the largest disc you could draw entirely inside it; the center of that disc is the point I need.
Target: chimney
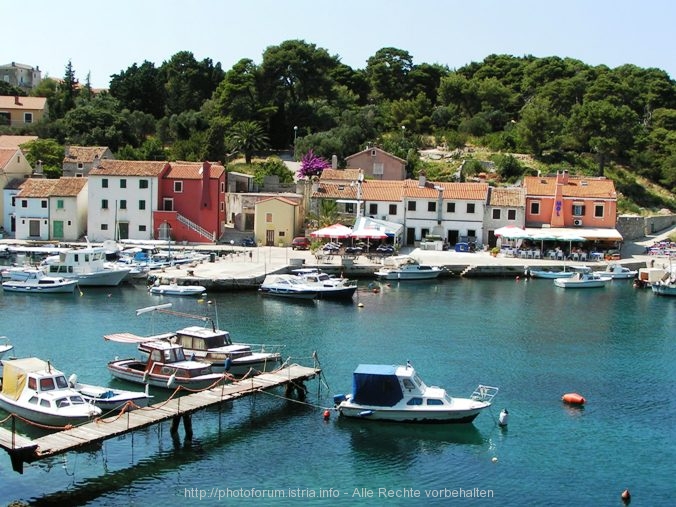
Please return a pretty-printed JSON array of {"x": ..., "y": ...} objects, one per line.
[
  {"x": 17, "y": 101},
  {"x": 334, "y": 162},
  {"x": 422, "y": 180},
  {"x": 206, "y": 194},
  {"x": 562, "y": 178}
]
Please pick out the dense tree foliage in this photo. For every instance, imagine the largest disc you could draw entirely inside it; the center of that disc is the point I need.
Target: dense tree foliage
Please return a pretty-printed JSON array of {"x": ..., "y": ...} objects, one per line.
[{"x": 553, "y": 108}]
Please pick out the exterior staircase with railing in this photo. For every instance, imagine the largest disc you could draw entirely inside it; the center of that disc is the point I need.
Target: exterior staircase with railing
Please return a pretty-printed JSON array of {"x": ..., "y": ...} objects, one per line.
[{"x": 195, "y": 227}]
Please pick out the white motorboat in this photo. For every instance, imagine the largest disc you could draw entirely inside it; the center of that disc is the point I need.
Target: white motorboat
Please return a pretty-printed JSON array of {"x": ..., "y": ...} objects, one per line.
[
  {"x": 548, "y": 273},
  {"x": 663, "y": 288},
  {"x": 173, "y": 289},
  {"x": 108, "y": 398},
  {"x": 210, "y": 345},
  {"x": 35, "y": 281},
  {"x": 38, "y": 392},
  {"x": 5, "y": 347},
  {"x": 618, "y": 271},
  {"x": 86, "y": 265},
  {"x": 328, "y": 287},
  {"x": 166, "y": 367},
  {"x": 288, "y": 286},
  {"x": 583, "y": 278},
  {"x": 397, "y": 393},
  {"x": 403, "y": 267}
]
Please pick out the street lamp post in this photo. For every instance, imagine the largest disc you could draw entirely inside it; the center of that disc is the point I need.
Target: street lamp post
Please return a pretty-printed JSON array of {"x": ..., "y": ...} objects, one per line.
[{"x": 295, "y": 134}]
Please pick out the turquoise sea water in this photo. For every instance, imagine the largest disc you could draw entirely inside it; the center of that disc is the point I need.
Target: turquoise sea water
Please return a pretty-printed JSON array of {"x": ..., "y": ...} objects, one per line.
[{"x": 616, "y": 346}]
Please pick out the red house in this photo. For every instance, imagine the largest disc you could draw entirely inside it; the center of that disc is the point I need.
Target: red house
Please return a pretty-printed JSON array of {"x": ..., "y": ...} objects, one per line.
[{"x": 191, "y": 202}]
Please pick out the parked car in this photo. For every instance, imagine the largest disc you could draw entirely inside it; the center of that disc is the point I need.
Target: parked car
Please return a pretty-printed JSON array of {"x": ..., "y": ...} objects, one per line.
[
  {"x": 300, "y": 243},
  {"x": 248, "y": 242}
]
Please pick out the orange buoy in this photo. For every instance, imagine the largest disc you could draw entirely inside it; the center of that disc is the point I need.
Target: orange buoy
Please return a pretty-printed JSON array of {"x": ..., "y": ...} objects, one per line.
[
  {"x": 327, "y": 414},
  {"x": 573, "y": 399}
]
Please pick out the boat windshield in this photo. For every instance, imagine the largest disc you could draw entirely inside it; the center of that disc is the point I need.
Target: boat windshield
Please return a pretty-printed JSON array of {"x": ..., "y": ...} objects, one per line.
[
  {"x": 61, "y": 382},
  {"x": 418, "y": 381}
]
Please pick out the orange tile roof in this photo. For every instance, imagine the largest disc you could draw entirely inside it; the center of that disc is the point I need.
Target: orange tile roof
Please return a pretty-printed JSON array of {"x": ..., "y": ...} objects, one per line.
[
  {"x": 128, "y": 168},
  {"x": 396, "y": 191},
  {"x": 84, "y": 153},
  {"x": 10, "y": 102},
  {"x": 15, "y": 141},
  {"x": 43, "y": 188},
  {"x": 6, "y": 155},
  {"x": 340, "y": 174},
  {"x": 511, "y": 196},
  {"x": 192, "y": 171},
  {"x": 580, "y": 187}
]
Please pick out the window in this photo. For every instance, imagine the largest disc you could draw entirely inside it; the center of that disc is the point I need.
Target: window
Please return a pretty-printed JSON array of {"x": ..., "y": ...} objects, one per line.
[
  {"x": 431, "y": 206},
  {"x": 268, "y": 218},
  {"x": 28, "y": 117},
  {"x": 222, "y": 206},
  {"x": 32, "y": 384},
  {"x": 222, "y": 187},
  {"x": 178, "y": 187},
  {"x": 393, "y": 209},
  {"x": 141, "y": 228},
  {"x": 349, "y": 207},
  {"x": 24, "y": 203},
  {"x": 414, "y": 401},
  {"x": 598, "y": 210},
  {"x": 123, "y": 204},
  {"x": 434, "y": 401},
  {"x": 59, "y": 204},
  {"x": 123, "y": 183},
  {"x": 104, "y": 183},
  {"x": 470, "y": 207},
  {"x": 43, "y": 204},
  {"x": 511, "y": 214},
  {"x": 496, "y": 214},
  {"x": 80, "y": 165},
  {"x": 104, "y": 227},
  {"x": 104, "y": 203},
  {"x": 411, "y": 205},
  {"x": 143, "y": 184},
  {"x": 141, "y": 204},
  {"x": 535, "y": 208},
  {"x": 373, "y": 209},
  {"x": 450, "y": 207},
  {"x": 471, "y": 234},
  {"x": 578, "y": 210}
]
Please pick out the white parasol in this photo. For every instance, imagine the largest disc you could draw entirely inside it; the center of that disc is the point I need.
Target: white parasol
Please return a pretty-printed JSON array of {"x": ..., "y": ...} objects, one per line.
[{"x": 332, "y": 231}]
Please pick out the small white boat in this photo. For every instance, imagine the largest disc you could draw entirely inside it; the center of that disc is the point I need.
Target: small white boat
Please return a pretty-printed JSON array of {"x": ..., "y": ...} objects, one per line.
[
  {"x": 404, "y": 267},
  {"x": 397, "y": 393},
  {"x": 618, "y": 271},
  {"x": 5, "y": 347},
  {"x": 173, "y": 289},
  {"x": 35, "y": 390},
  {"x": 288, "y": 286},
  {"x": 583, "y": 278},
  {"x": 35, "y": 281},
  {"x": 86, "y": 265},
  {"x": 166, "y": 367},
  {"x": 662, "y": 288},
  {"x": 108, "y": 398},
  {"x": 328, "y": 287},
  {"x": 548, "y": 273}
]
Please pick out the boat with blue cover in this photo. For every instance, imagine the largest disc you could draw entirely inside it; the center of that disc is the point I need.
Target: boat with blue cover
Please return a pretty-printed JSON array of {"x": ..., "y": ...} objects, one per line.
[{"x": 396, "y": 393}]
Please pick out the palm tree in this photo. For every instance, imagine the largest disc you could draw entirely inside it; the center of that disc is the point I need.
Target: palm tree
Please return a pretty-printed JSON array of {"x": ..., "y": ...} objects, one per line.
[
  {"x": 325, "y": 216},
  {"x": 247, "y": 137}
]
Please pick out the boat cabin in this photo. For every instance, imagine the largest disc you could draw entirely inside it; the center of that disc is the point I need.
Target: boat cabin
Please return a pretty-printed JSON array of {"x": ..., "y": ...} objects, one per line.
[
  {"x": 210, "y": 344},
  {"x": 165, "y": 358}
]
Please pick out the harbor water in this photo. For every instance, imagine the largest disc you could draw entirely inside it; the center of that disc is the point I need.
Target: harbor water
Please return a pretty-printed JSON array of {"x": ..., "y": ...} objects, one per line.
[{"x": 616, "y": 346}]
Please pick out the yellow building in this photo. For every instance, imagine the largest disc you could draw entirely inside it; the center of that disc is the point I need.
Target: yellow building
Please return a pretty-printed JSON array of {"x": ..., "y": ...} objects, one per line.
[
  {"x": 276, "y": 221},
  {"x": 18, "y": 111}
]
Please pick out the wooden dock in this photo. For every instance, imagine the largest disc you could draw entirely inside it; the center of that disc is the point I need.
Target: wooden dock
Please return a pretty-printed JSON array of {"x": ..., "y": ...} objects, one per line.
[{"x": 23, "y": 450}]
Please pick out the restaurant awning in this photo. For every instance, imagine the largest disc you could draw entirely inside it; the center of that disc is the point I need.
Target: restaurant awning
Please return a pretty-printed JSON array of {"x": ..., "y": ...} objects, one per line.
[{"x": 589, "y": 233}]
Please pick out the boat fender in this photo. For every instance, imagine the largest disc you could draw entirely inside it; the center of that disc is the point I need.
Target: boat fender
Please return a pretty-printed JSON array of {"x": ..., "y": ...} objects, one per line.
[
  {"x": 327, "y": 415},
  {"x": 365, "y": 413},
  {"x": 227, "y": 364},
  {"x": 503, "y": 418},
  {"x": 172, "y": 380},
  {"x": 72, "y": 380},
  {"x": 573, "y": 399}
]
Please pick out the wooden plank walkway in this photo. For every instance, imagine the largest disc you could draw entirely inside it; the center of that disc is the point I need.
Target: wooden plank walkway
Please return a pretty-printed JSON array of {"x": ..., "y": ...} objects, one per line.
[{"x": 24, "y": 450}]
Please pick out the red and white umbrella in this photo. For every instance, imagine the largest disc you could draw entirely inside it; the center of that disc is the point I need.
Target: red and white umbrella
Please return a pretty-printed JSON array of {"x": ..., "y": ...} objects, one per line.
[{"x": 333, "y": 231}]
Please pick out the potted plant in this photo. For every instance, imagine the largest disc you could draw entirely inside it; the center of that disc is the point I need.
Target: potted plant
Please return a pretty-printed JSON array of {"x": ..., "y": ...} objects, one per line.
[{"x": 495, "y": 251}]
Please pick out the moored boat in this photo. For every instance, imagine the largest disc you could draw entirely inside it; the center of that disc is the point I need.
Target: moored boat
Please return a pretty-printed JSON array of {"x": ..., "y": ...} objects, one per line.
[
  {"x": 108, "y": 398},
  {"x": 583, "y": 278},
  {"x": 548, "y": 273},
  {"x": 404, "y": 267},
  {"x": 5, "y": 347},
  {"x": 327, "y": 286},
  {"x": 173, "y": 289},
  {"x": 35, "y": 281},
  {"x": 618, "y": 271},
  {"x": 288, "y": 286},
  {"x": 397, "y": 393},
  {"x": 86, "y": 265},
  {"x": 38, "y": 392},
  {"x": 166, "y": 367}
]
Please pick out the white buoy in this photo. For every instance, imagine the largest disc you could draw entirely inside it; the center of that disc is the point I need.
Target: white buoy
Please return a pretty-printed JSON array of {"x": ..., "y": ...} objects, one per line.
[{"x": 503, "y": 418}]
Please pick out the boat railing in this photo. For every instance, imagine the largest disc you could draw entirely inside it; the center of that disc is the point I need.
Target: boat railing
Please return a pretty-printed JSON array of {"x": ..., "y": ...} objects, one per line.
[{"x": 484, "y": 393}]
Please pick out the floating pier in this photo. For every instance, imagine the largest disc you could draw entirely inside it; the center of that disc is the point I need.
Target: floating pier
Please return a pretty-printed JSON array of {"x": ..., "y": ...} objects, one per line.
[{"x": 24, "y": 450}]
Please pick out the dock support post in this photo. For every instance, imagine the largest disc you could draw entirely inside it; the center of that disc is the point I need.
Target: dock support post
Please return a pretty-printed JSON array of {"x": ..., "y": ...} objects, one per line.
[
  {"x": 175, "y": 421},
  {"x": 187, "y": 425}
]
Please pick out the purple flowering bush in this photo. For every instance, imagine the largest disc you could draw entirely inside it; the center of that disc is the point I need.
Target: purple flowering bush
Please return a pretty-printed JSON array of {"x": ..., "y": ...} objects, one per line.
[{"x": 311, "y": 165}]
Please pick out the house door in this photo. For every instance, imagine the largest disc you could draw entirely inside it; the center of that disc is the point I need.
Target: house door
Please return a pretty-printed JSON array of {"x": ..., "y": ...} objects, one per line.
[
  {"x": 453, "y": 237},
  {"x": 491, "y": 239},
  {"x": 57, "y": 229},
  {"x": 34, "y": 228},
  {"x": 410, "y": 236},
  {"x": 123, "y": 230},
  {"x": 269, "y": 238},
  {"x": 164, "y": 231}
]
